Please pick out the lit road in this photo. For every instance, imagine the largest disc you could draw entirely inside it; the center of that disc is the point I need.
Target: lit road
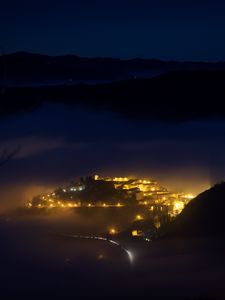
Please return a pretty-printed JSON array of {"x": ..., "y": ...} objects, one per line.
[
  {"x": 99, "y": 238},
  {"x": 40, "y": 259}
]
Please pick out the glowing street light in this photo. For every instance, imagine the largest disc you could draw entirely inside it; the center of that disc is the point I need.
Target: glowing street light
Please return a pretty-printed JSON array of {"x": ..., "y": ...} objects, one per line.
[
  {"x": 112, "y": 231},
  {"x": 189, "y": 196},
  {"x": 138, "y": 218}
]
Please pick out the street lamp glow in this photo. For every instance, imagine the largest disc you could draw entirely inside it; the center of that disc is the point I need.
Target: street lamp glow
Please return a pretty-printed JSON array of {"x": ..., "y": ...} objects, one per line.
[
  {"x": 112, "y": 231},
  {"x": 139, "y": 217}
]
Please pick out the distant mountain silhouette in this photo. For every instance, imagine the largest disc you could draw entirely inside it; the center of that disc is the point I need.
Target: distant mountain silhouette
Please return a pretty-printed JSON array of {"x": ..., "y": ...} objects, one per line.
[
  {"x": 174, "y": 96},
  {"x": 203, "y": 216},
  {"x": 28, "y": 67}
]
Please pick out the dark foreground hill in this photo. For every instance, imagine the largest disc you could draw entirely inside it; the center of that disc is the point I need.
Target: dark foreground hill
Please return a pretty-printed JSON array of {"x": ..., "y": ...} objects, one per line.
[{"x": 203, "y": 216}]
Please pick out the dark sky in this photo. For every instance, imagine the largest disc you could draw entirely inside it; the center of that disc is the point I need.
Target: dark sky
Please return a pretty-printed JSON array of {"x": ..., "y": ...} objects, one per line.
[
  {"x": 59, "y": 144},
  {"x": 176, "y": 29}
]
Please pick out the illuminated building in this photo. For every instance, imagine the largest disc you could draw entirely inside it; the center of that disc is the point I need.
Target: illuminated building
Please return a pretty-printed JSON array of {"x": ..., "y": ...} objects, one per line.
[
  {"x": 136, "y": 232},
  {"x": 96, "y": 191}
]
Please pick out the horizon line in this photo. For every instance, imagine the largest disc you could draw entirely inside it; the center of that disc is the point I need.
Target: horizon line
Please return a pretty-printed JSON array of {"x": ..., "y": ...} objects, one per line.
[{"x": 112, "y": 57}]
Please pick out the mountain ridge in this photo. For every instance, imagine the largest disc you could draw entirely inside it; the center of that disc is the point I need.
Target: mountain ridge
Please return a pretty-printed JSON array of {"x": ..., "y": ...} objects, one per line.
[
  {"x": 175, "y": 96},
  {"x": 38, "y": 67}
]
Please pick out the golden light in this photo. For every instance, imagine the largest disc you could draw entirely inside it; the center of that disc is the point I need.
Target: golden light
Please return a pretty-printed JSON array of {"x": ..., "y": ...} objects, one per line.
[
  {"x": 139, "y": 217},
  {"x": 104, "y": 204},
  {"x": 178, "y": 205},
  {"x": 39, "y": 205},
  {"x": 189, "y": 196},
  {"x": 89, "y": 204},
  {"x": 96, "y": 177},
  {"x": 112, "y": 231},
  {"x": 100, "y": 256},
  {"x": 51, "y": 205},
  {"x": 157, "y": 224},
  {"x": 118, "y": 204},
  {"x": 134, "y": 232}
]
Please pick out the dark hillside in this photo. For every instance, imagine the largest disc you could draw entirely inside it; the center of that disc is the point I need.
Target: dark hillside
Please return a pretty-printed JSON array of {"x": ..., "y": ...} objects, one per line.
[{"x": 203, "y": 216}]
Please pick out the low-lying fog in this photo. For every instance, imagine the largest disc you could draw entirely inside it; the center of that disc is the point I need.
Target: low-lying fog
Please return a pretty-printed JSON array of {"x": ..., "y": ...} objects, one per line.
[
  {"x": 59, "y": 143},
  {"x": 38, "y": 261}
]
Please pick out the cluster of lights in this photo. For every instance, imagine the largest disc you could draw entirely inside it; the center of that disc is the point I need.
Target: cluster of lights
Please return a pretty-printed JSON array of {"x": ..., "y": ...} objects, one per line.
[
  {"x": 149, "y": 194},
  {"x": 178, "y": 206},
  {"x": 121, "y": 179},
  {"x": 189, "y": 196},
  {"x": 144, "y": 181},
  {"x": 52, "y": 203},
  {"x": 74, "y": 189}
]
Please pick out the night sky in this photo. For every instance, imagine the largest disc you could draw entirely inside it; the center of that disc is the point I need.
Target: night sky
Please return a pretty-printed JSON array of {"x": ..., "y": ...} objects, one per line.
[
  {"x": 59, "y": 143},
  {"x": 176, "y": 29}
]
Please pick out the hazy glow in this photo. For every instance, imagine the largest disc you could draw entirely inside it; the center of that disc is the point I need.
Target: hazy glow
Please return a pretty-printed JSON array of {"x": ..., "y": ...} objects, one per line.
[
  {"x": 128, "y": 252},
  {"x": 139, "y": 217},
  {"x": 202, "y": 166},
  {"x": 130, "y": 255},
  {"x": 112, "y": 231}
]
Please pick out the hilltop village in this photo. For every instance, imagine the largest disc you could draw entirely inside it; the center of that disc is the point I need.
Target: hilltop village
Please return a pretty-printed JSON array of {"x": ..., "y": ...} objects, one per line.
[{"x": 96, "y": 191}]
